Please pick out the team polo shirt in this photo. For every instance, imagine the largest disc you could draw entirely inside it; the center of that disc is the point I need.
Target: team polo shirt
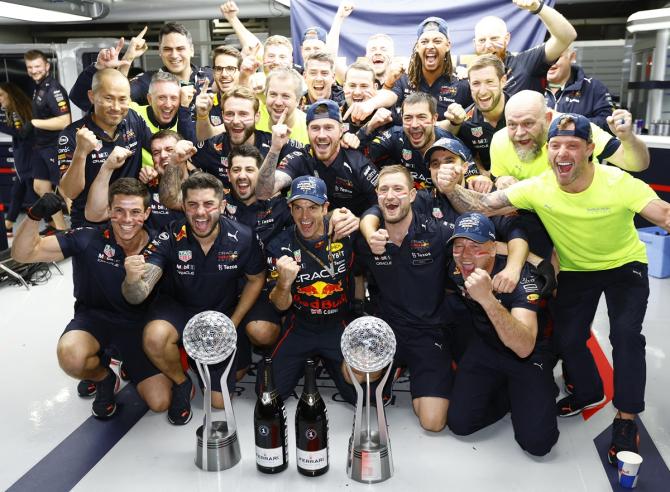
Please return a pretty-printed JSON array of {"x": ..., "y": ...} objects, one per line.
[
  {"x": 526, "y": 70},
  {"x": 319, "y": 294},
  {"x": 393, "y": 147},
  {"x": 411, "y": 278},
  {"x": 336, "y": 94},
  {"x": 200, "y": 282},
  {"x": 212, "y": 154},
  {"x": 350, "y": 179},
  {"x": 132, "y": 133},
  {"x": 592, "y": 230},
  {"x": 526, "y": 295},
  {"x": 505, "y": 161},
  {"x": 265, "y": 217},
  {"x": 181, "y": 123},
  {"x": 446, "y": 90},
  {"x": 22, "y": 142},
  {"x": 160, "y": 215},
  {"x": 98, "y": 271},
  {"x": 298, "y": 130},
  {"x": 49, "y": 100},
  {"x": 476, "y": 133}
]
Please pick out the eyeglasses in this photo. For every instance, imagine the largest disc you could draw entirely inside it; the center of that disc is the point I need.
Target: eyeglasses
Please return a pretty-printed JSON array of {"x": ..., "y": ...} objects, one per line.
[{"x": 227, "y": 70}]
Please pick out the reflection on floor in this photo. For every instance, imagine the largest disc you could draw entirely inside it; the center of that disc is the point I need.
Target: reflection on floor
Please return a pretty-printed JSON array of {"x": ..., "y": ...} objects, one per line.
[{"x": 44, "y": 417}]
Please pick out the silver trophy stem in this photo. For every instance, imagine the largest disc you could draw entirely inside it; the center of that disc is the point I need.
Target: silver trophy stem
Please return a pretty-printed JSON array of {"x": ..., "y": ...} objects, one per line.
[
  {"x": 367, "y": 403},
  {"x": 227, "y": 403},
  {"x": 207, "y": 404}
]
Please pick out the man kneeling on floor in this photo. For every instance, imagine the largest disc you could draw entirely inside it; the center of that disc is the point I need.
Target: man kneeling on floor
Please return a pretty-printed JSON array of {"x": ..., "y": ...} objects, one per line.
[
  {"x": 102, "y": 317},
  {"x": 507, "y": 367}
]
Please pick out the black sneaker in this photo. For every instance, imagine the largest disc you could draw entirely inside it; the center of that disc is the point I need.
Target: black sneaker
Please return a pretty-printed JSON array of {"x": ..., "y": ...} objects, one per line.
[
  {"x": 86, "y": 388},
  {"x": 569, "y": 406},
  {"x": 625, "y": 437},
  {"x": 104, "y": 405},
  {"x": 179, "y": 412}
]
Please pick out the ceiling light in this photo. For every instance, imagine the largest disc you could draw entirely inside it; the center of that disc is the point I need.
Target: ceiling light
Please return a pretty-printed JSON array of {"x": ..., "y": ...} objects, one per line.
[{"x": 34, "y": 14}]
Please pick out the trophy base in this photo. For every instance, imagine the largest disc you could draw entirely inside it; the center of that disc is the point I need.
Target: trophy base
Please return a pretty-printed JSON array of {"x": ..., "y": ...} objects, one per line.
[
  {"x": 223, "y": 448},
  {"x": 370, "y": 462}
]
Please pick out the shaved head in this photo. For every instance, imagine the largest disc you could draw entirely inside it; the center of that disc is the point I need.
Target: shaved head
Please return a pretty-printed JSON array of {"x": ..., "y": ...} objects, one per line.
[
  {"x": 526, "y": 101},
  {"x": 491, "y": 36},
  {"x": 108, "y": 75}
]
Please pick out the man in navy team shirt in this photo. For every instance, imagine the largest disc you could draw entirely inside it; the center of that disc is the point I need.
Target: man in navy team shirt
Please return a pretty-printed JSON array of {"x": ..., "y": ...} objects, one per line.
[
  {"x": 102, "y": 317},
  {"x": 85, "y": 144},
  {"x": 508, "y": 365},
  {"x": 201, "y": 259}
]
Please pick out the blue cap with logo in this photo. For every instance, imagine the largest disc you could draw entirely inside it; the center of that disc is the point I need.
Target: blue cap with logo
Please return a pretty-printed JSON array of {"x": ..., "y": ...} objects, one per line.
[
  {"x": 451, "y": 144},
  {"x": 330, "y": 109},
  {"x": 581, "y": 130},
  {"x": 433, "y": 24},
  {"x": 314, "y": 32},
  {"x": 308, "y": 188},
  {"x": 474, "y": 226}
]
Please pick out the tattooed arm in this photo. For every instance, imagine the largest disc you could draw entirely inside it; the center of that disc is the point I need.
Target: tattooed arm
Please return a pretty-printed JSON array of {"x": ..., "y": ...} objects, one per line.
[
  {"x": 140, "y": 279},
  {"x": 169, "y": 189},
  {"x": 271, "y": 180}
]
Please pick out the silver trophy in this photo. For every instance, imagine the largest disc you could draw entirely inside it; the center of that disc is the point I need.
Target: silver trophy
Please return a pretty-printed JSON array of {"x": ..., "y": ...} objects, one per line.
[
  {"x": 209, "y": 338},
  {"x": 368, "y": 345}
]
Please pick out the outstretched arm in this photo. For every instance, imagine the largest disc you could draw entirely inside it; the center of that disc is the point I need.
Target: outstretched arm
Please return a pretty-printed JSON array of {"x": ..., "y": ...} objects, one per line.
[{"x": 560, "y": 30}]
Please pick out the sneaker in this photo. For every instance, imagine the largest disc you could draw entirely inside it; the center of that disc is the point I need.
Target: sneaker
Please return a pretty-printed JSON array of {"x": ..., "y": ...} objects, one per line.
[
  {"x": 569, "y": 406},
  {"x": 104, "y": 405},
  {"x": 86, "y": 388},
  {"x": 179, "y": 412},
  {"x": 625, "y": 437}
]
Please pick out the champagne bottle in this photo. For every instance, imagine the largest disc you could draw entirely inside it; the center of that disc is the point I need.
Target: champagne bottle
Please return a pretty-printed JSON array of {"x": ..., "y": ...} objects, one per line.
[
  {"x": 270, "y": 427},
  {"x": 311, "y": 427}
]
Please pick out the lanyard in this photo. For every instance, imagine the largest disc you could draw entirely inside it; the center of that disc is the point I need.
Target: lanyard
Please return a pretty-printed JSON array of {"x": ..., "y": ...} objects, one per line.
[{"x": 329, "y": 268}]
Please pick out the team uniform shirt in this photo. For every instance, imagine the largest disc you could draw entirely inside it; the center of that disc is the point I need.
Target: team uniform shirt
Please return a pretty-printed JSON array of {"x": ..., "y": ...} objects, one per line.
[
  {"x": 506, "y": 162},
  {"x": 350, "y": 179},
  {"x": 98, "y": 272},
  {"x": 22, "y": 142},
  {"x": 132, "y": 133},
  {"x": 526, "y": 70},
  {"x": 320, "y": 294},
  {"x": 349, "y": 126},
  {"x": 446, "y": 90},
  {"x": 49, "y": 100},
  {"x": 476, "y": 133},
  {"x": 393, "y": 147},
  {"x": 581, "y": 95},
  {"x": 336, "y": 94},
  {"x": 411, "y": 278},
  {"x": 212, "y": 154},
  {"x": 199, "y": 282},
  {"x": 526, "y": 295},
  {"x": 298, "y": 130},
  {"x": 160, "y": 216},
  {"x": 592, "y": 230},
  {"x": 266, "y": 218}
]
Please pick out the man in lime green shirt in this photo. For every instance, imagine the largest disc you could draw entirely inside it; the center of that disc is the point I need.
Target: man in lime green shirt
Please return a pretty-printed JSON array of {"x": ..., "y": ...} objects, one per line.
[
  {"x": 588, "y": 211},
  {"x": 283, "y": 90},
  {"x": 519, "y": 151}
]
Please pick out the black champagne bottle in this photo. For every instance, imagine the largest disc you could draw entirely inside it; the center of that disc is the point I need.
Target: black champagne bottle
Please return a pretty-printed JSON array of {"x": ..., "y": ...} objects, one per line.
[
  {"x": 311, "y": 427},
  {"x": 270, "y": 426}
]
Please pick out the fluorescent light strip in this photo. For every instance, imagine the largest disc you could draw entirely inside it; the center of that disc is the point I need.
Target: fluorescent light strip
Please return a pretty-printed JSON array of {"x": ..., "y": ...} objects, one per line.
[{"x": 34, "y": 14}]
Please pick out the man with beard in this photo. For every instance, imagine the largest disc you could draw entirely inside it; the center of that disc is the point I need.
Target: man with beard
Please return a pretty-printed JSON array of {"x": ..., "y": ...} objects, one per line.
[
  {"x": 311, "y": 277},
  {"x": 520, "y": 151},
  {"x": 319, "y": 77},
  {"x": 102, "y": 317},
  {"x": 416, "y": 256},
  {"x": 599, "y": 251},
  {"x": 570, "y": 91},
  {"x": 51, "y": 113},
  {"x": 350, "y": 177},
  {"x": 527, "y": 69},
  {"x": 85, "y": 144},
  {"x": 195, "y": 281},
  {"x": 406, "y": 145},
  {"x": 240, "y": 116}
]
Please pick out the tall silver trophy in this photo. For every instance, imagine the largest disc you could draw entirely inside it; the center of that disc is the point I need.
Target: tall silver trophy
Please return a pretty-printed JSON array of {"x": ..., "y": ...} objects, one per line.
[
  {"x": 368, "y": 345},
  {"x": 209, "y": 338}
]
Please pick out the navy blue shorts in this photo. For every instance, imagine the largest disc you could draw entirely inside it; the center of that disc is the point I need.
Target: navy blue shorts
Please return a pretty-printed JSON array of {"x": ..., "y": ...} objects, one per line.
[
  {"x": 426, "y": 353},
  {"x": 124, "y": 335},
  {"x": 263, "y": 310},
  {"x": 44, "y": 164}
]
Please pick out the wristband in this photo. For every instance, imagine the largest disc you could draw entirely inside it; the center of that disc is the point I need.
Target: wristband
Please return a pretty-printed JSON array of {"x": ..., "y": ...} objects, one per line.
[{"x": 537, "y": 10}]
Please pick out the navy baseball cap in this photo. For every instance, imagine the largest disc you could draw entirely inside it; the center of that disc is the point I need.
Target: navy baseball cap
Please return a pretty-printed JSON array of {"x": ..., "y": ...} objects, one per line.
[
  {"x": 474, "y": 226},
  {"x": 433, "y": 24},
  {"x": 308, "y": 188},
  {"x": 314, "y": 32},
  {"x": 581, "y": 130},
  {"x": 453, "y": 145},
  {"x": 332, "y": 110}
]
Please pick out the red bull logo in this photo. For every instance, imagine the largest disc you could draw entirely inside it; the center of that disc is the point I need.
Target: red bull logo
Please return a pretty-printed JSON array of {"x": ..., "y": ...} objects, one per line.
[
  {"x": 181, "y": 234},
  {"x": 320, "y": 289}
]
